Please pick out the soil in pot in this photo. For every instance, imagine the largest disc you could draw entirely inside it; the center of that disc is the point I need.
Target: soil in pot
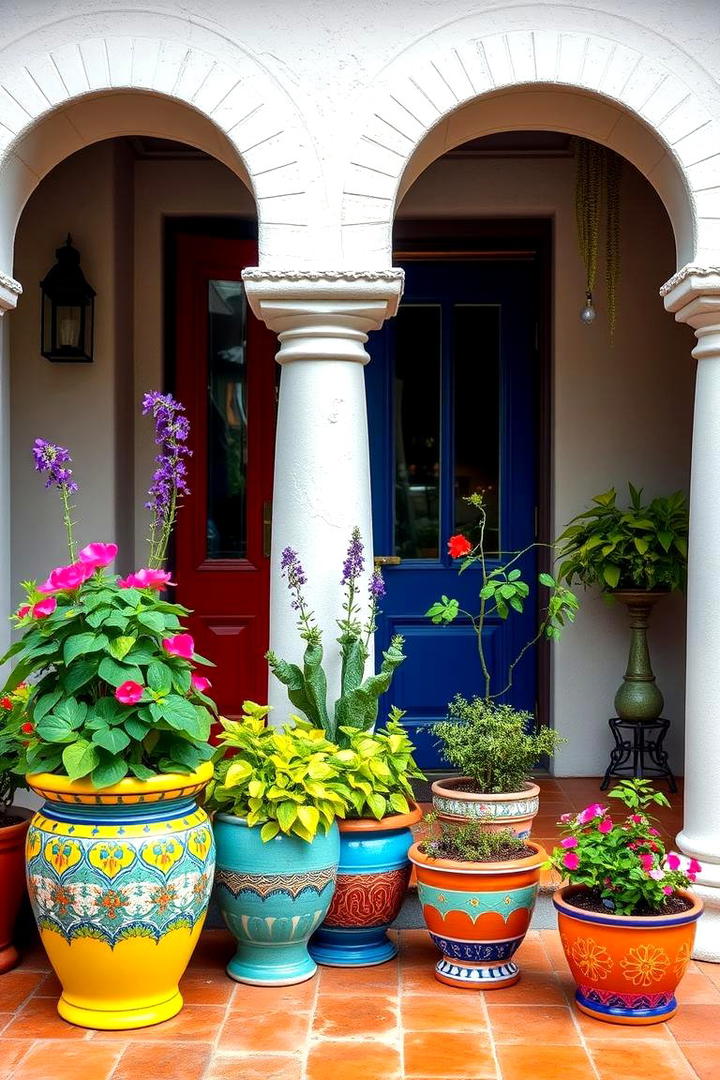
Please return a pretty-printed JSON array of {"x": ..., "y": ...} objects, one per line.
[{"x": 591, "y": 901}]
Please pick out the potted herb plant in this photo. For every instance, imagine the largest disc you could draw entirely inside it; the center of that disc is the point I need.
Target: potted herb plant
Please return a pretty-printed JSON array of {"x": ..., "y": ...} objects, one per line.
[
  {"x": 275, "y": 801},
  {"x": 375, "y": 836},
  {"x": 14, "y": 822},
  {"x": 491, "y": 743},
  {"x": 477, "y": 890},
  {"x": 637, "y": 554},
  {"x": 116, "y": 724},
  {"x": 626, "y": 919}
]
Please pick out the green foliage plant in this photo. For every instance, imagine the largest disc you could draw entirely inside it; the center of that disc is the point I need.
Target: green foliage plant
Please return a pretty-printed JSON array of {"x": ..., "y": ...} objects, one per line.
[
  {"x": 622, "y": 863},
  {"x": 490, "y": 743},
  {"x": 12, "y": 738},
  {"x": 378, "y": 767},
  {"x": 471, "y": 842},
  {"x": 640, "y": 546}
]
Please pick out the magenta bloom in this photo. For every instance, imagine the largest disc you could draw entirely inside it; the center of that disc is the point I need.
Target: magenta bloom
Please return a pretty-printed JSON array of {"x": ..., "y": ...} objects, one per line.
[
  {"x": 64, "y": 578},
  {"x": 200, "y": 683},
  {"x": 636, "y": 819},
  {"x": 571, "y": 860},
  {"x": 646, "y": 861},
  {"x": 98, "y": 555},
  {"x": 146, "y": 579},
  {"x": 564, "y": 818},
  {"x": 668, "y": 890},
  {"x": 672, "y": 860},
  {"x": 569, "y": 842},
  {"x": 23, "y": 611},
  {"x": 591, "y": 812},
  {"x": 695, "y": 867},
  {"x": 605, "y": 826},
  {"x": 179, "y": 645},
  {"x": 44, "y": 608},
  {"x": 129, "y": 693}
]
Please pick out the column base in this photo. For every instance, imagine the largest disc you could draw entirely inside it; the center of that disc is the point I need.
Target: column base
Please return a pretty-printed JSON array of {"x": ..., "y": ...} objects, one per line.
[{"x": 707, "y": 934}]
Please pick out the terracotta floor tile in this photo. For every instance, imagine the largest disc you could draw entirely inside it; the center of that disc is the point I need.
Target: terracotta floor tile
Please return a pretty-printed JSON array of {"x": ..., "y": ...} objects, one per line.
[
  {"x": 51, "y": 1060},
  {"x": 544, "y": 1024},
  {"x": 425, "y": 1012},
  {"x": 270, "y": 1033},
  {"x": 198, "y": 1022},
  {"x": 597, "y": 1031},
  {"x": 533, "y": 988},
  {"x": 368, "y": 1016},
  {"x": 17, "y": 985},
  {"x": 205, "y": 987},
  {"x": 249, "y": 1000},
  {"x": 448, "y": 1054},
  {"x": 711, "y": 971},
  {"x": 331, "y": 1060},
  {"x": 254, "y": 1067},
  {"x": 696, "y": 1023},
  {"x": 704, "y": 1059},
  {"x": 696, "y": 989},
  {"x": 554, "y": 950},
  {"x": 11, "y": 1052},
  {"x": 616, "y": 1061},
  {"x": 39, "y": 1019},
  {"x": 532, "y": 955},
  {"x": 540, "y": 1062},
  {"x": 335, "y": 980},
  {"x": 214, "y": 949},
  {"x": 181, "y": 1061},
  {"x": 5, "y": 1019},
  {"x": 421, "y": 979}
]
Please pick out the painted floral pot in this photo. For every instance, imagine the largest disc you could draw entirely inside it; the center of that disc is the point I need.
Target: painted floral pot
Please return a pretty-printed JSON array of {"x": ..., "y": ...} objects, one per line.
[
  {"x": 119, "y": 882},
  {"x": 626, "y": 967},
  {"x": 372, "y": 881},
  {"x": 478, "y": 915},
  {"x": 12, "y": 876},
  {"x": 273, "y": 897},
  {"x": 511, "y": 810}
]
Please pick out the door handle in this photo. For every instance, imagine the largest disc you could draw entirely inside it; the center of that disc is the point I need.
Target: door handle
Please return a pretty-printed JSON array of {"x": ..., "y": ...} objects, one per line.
[
  {"x": 386, "y": 560},
  {"x": 267, "y": 528}
]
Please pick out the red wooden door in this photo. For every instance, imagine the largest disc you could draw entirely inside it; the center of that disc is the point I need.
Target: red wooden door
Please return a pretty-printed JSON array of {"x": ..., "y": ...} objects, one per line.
[{"x": 225, "y": 377}]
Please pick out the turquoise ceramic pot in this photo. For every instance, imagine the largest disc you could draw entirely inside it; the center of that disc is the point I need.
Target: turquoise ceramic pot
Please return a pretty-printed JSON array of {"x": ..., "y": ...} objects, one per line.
[{"x": 273, "y": 897}]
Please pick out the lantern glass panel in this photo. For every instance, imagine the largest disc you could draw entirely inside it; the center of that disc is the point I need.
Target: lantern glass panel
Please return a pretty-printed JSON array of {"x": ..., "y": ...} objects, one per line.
[{"x": 69, "y": 326}]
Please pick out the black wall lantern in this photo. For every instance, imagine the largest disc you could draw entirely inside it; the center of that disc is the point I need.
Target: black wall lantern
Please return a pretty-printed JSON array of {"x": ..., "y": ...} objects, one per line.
[{"x": 68, "y": 305}]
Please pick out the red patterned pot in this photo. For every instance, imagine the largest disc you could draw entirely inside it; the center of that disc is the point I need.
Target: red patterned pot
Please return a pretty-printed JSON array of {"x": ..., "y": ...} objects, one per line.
[
  {"x": 12, "y": 877},
  {"x": 371, "y": 884}
]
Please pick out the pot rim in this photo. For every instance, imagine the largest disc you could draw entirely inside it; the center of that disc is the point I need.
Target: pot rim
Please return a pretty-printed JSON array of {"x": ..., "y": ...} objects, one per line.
[
  {"x": 627, "y": 921},
  {"x": 447, "y": 789},
  {"x": 161, "y": 783},
  {"x": 6, "y": 831},
  {"x": 454, "y": 866},
  {"x": 386, "y": 824}
]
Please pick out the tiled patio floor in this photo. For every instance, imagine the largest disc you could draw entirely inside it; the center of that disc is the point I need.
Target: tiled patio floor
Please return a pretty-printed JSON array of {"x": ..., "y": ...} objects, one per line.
[{"x": 381, "y": 1023}]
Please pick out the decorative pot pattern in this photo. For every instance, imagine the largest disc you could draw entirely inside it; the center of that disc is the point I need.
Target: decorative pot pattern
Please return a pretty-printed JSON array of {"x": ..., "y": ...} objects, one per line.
[
  {"x": 12, "y": 876},
  {"x": 626, "y": 967},
  {"x": 119, "y": 882},
  {"x": 478, "y": 915},
  {"x": 272, "y": 897},
  {"x": 372, "y": 881},
  {"x": 511, "y": 810}
]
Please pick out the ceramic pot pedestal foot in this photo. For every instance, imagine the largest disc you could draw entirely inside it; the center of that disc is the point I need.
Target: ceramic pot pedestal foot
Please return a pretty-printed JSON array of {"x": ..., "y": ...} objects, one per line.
[
  {"x": 123, "y": 1019},
  {"x": 641, "y": 1010},
  {"x": 335, "y": 947},
  {"x": 276, "y": 966},
  {"x": 472, "y": 976}
]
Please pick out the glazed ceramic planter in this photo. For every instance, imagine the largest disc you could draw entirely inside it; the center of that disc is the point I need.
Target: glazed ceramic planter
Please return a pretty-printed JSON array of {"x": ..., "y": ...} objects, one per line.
[
  {"x": 119, "y": 882},
  {"x": 372, "y": 881},
  {"x": 273, "y": 897},
  {"x": 12, "y": 876},
  {"x": 626, "y": 967},
  {"x": 511, "y": 810},
  {"x": 478, "y": 915}
]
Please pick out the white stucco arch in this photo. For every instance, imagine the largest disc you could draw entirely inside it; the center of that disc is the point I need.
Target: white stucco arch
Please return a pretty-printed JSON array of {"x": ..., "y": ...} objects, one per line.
[{"x": 550, "y": 67}]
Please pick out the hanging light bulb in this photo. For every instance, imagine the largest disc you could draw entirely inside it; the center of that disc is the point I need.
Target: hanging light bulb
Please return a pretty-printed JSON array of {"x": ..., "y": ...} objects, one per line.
[{"x": 588, "y": 313}]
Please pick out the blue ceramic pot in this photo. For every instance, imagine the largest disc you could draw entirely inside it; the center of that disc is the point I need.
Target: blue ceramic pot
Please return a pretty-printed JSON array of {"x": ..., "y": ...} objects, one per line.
[
  {"x": 372, "y": 881},
  {"x": 272, "y": 897}
]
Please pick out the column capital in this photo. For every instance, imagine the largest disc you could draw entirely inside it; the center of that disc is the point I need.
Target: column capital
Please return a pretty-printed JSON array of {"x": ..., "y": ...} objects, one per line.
[
  {"x": 693, "y": 296},
  {"x": 323, "y": 314},
  {"x": 10, "y": 289}
]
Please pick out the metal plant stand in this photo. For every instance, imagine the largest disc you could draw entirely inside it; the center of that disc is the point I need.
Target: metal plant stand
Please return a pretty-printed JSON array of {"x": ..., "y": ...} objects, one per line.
[{"x": 639, "y": 750}]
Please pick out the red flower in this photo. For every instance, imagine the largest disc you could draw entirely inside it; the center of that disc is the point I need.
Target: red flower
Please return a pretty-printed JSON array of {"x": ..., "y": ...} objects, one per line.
[
  {"x": 23, "y": 612},
  {"x": 179, "y": 645},
  {"x": 129, "y": 693},
  {"x": 28, "y": 728},
  {"x": 571, "y": 860},
  {"x": 200, "y": 683},
  {"x": 458, "y": 546},
  {"x": 6, "y": 703},
  {"x": 44, "y": 608}
]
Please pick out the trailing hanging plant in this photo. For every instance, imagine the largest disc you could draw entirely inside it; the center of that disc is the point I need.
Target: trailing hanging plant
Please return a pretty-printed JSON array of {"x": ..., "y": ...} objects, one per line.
[{"x": 597, "y": 189}]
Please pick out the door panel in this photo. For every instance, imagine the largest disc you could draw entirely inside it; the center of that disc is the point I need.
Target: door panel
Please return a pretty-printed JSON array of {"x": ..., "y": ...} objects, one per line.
[
  {"x": 225, "y": 377},
  {"x": 451, "y": 403}
]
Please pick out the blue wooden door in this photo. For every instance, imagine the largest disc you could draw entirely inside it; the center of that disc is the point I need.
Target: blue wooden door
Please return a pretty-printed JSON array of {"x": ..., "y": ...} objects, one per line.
[{"x": 452, "y": 390}]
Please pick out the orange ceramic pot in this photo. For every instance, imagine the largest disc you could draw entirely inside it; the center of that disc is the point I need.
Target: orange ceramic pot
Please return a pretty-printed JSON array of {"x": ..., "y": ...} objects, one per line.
[
  {"x": 478, "y": 914},
  {"x": 626, "y": 967},
  {"x": 12, "y": 877},
  {"x": 510, "y": 810}
]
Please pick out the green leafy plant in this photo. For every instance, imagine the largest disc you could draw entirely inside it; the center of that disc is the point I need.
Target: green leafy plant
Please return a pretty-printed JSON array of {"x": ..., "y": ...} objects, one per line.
[
  {"x": 377, "y": 768},
  {"x": 357, "y": 705},
  {"x": 641, "y": 546},
  {"x": 490, "y": 743},
  {"x": 622, "y": 864},
  {"x": 12, "y": 739},
  {"x": 284, "y": 779},
  {"x": 471, "y": 842}
]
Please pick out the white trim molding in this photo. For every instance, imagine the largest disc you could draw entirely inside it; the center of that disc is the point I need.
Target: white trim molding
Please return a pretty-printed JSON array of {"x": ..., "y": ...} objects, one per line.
[{"x": 10, "y": 290}]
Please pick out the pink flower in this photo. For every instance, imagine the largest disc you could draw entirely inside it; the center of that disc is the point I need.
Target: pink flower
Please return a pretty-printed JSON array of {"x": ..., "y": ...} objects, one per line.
[
  {"x": 23, "y": 611},
  {"x": 569, "y": 842},
  {"x": 98, "y": 555},
  {"x": 668, "y": 890},
  {"x": 591, "y": 812},
  {"x": 605, "y": 826},
  {"x": 646, "y": 861},
  {"x": 672, "y": 860},
  {"x": 146, "y": 579},
  {"x": 66, "y": 577},
  {"x": 44, "y": 608},
  {"x": 654, "y": 832},
  {"x": 656, "y": 873},
  {"x": 695, "y": 867},
  {"x": 570, "y": 860},
  {"x": 564, "y": 818},
  {"x": 129, "y": 693},
  {"x": 179, "y": 645},
  {"x": 200, "y": 683},
  {"x": 636, "y": 819}
]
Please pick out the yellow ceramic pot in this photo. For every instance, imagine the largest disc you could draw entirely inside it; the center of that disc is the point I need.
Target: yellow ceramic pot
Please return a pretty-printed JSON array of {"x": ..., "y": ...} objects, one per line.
[{"x": 119, "y": 881}]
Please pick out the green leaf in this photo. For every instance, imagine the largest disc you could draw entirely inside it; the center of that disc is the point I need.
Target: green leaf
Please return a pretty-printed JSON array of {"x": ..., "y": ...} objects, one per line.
[
  {"x": 399, "y": 803},
  {"x": 109, "y": 771},
  {"x": 81, "y": 672},
  {"x": 269, "y": 830},
  {"x": 80, "y": 758},
  {"x": 113, "y": 739},
  {"x": 54, "y": 729},
  {"x": 78, "y": 644},
  {"x": 159, "y": 677},
  {"x": 116, "y": 674},
  {"x": 377, "y": 804},
  {"x": 180, "y": 714},
  {"x": 71, "y": 710},
  {"x": 286, "y": 814},
  {"x": 135, "y": 728},
  {"x": 611, "y": 575},
  {"x": 120, "y": 646},
  {"x": 44, "y": 704},
  {"x": 141, "y": 771},
  {"x": 309, "y": 817},
  {"x": 153, "y": 620},
  {"x": 548, "y": 580}
]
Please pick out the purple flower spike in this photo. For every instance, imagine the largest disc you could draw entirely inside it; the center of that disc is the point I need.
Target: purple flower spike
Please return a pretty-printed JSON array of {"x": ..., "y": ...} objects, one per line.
[
  {"x": 354, "y": 561},
  {"x": 291, "y": 567},
  {"x": 172, "y": 429},
  {"x": 52, "y": 459},
  {"x": 376, "y": 587}
]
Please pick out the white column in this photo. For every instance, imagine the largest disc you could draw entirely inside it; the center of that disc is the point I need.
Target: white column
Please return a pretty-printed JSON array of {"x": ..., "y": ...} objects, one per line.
[
  {"x": 694, "y": 296},
  {"x": 9, "y": 292},
  {"x": 322, "y": 465}
]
